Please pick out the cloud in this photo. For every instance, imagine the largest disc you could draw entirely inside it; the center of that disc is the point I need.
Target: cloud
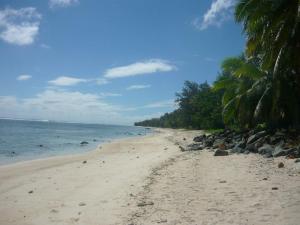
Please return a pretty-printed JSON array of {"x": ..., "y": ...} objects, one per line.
[
  {"x": 61, "y": 105},
  {"x": 162, "y": 104},
  {"x": 220, "y": 10},
  {"x": 62, "y": 3},
  {"x": 66, "y": 81},
  {"x": 19, "y": 26},
  {"x": 139, "y": 68},
  {"x": 138, "y": 86},
  {"x": 101, "y": 81},
  {"x": 109, "y": 94},
  {"x": 24, "y": 77},
  {"x": 45, "y": 46}
]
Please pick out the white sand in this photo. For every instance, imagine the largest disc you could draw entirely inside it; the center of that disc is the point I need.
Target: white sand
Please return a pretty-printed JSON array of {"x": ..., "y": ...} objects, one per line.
[{"x": 185, "y": 187}]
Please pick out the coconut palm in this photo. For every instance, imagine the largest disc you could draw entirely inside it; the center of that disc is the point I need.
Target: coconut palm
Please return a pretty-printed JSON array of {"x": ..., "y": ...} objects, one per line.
[
  {"x": 273, "y": 35},
  {"x": 245, "y": 93}
]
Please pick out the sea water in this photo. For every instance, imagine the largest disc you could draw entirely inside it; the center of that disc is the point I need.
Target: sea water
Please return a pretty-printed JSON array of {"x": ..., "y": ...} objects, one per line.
[{"x": 25, "y": 140}]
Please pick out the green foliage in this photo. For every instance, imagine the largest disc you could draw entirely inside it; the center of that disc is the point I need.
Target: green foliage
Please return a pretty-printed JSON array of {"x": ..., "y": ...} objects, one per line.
[{"x": 199, "y": 108}]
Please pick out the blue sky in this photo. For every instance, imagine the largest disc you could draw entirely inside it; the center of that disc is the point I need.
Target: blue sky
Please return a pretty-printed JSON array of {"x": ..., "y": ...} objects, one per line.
[{"x": 108, "y": 61}]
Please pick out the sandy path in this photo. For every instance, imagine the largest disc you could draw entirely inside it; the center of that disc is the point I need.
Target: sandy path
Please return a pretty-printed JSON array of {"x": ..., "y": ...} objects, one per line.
[{"x": 201, "y": 189}]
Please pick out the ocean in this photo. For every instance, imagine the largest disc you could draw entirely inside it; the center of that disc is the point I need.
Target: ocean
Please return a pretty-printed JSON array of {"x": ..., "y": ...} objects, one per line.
[{"x": 26, "y": 140}]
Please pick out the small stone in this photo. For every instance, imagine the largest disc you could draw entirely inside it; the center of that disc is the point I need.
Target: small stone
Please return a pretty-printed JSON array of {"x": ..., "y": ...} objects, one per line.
[
  {"x": 182, "y": 148},
  {"x": 221, "y": 153},
  {"x": 84, "y": 162},
  {"x": 142, "y": 204},
  {"x": 223, "y": 181},
  {"x": 297, "y": 160},
  {"x": 30, "y": 192},
  {"x": 184, "y": 139},
  {"x": 280, "y": 165},
  {"x": 265, "y": 178},
  {"x": 84, "y": 143},
  {"x": 274, "y": 188},
  {"x": 82, "y": 204}
]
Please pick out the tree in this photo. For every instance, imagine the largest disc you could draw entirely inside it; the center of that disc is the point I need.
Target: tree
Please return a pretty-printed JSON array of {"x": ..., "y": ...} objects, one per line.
[{"x": 273, "y": 36}]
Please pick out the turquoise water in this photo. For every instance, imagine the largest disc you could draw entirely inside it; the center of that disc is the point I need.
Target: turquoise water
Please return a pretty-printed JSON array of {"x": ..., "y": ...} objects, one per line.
[{"x": 26, "y": 140}]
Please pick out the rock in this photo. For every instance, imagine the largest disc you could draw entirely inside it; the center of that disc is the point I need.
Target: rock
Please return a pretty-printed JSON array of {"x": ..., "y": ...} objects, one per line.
[
  {"x": 218, "y": 142},
  {"x": 293, "y": 153},
  {"x": 251, "y": 148},
  {"x": 237, "y": 149},
  {"x": 184, "y": 139},
  {"x": 255, "y": 137},
  {"x": 223, "y": 181},
  {"x": 94, "y": 140},
  {"x": 279, "y": 151},
  {"x": 220, "y": 152},
  {"x": 84, "y": 143},
  {"x": 280, "y": 165},
  {"x": 181, "y": 148},
  {"x": 84, "y": 162},
  {"x": 209, "y": 142},
  {"x": 194, "y": 147},
  {"x": 41, "y": 146},
  {"x": 265, "y": 178},
  {"x": 241, "y": 144},
  {"x": 274, "y": 188},
  {"x": 199, "y": 138},
  {"x": 142, "y": 204},
  {"x": 265, "y": 149},
  {"x": 297, "y": 161},
  {"x": 82, "y": 204},
  {"x": 30, "y": 192}
]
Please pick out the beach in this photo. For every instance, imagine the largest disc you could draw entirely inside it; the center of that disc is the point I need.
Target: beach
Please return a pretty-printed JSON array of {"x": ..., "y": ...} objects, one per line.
[{"x": 148, "y": 180}]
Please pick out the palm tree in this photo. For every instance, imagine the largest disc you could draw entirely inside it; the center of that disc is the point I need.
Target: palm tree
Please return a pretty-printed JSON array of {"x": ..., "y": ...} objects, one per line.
[
  {"x": 273, "y": 35},
  {"x": 245, "y": 98}
]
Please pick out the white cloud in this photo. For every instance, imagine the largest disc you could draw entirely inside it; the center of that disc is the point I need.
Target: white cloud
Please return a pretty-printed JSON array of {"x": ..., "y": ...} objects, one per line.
[
  {"x": 61, "y": 105},
  {"x": 62, "y": 3},
  {"x": 101, "y": 81},
  {"x": 24, "y": 77},
  {"x": 162, "y": 104},
  {"x": 19, "y": 26},
  {"x": 45, "y": 46},
  {"x": 74, "y": 106},
  {"x": 139, "y": 68},
  {"x": 220, "y": 10},
  {"x": 109, "y": 94},
  {"x": 138, "y": 86},
  {"x": 66, "y": 81}
]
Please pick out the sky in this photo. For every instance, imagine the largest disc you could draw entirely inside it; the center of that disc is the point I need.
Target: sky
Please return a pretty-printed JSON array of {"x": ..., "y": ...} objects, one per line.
[{"x": 109, "y": 61}]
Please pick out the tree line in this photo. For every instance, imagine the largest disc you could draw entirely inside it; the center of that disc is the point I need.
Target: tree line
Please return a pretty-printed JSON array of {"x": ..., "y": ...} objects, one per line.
[{"x": 259, "y": 88}]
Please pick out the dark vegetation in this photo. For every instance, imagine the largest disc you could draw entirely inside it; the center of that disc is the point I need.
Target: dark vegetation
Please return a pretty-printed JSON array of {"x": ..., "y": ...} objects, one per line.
[{"x": 260, "y": 88}]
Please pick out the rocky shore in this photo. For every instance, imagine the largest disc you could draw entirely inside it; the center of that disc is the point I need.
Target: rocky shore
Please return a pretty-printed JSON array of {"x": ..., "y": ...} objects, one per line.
[{"x": 267, "y": 143}]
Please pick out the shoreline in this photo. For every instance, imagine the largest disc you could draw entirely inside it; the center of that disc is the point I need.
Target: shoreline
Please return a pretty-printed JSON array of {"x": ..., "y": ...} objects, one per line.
[
  {"x": 73, "y": 154},
  {"x": 148, "y": 180}
]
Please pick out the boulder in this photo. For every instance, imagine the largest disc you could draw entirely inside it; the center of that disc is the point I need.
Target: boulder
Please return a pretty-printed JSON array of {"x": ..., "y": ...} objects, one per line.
[
  {"x": 256, "y": 136},
  {"x": 279, "y": 151},
  {"x": 194, "y": 147},
  {"x": 236, "y": 149},
  {"x": 218, "y": 142},
  {"x": 266, "y": 149},
  {"x": 220, "y": 152},
  {"x": 251, "y": 148},
  {"x": 199, "y": 138},
  {"x": 241, "y": 144}
]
